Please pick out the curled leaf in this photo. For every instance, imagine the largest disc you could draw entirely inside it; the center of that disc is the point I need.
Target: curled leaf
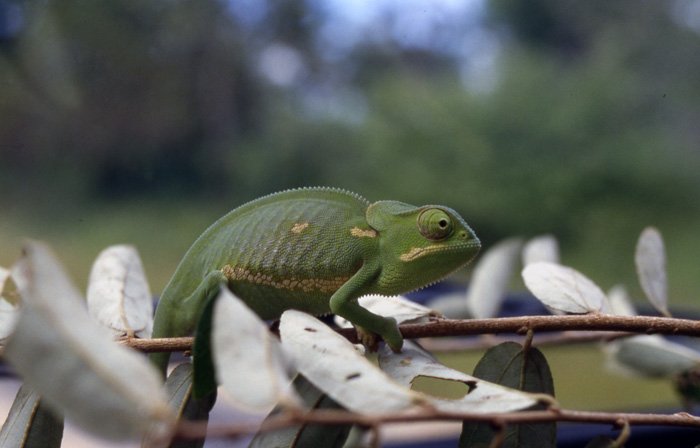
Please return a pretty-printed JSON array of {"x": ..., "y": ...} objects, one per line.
[
  {"x": 118, "y": 295},
  {"x": 491, "y": 277},
  {"x": 564, "y": 289},
  {"x": 483, "y": 396},
  {"x": 73, "y": 362},
  {"x": 398, "y": 307},
  {"x": 650, "y": 258},
  {"x": 541, "y": 248},
  {"x": 248, "y": 359},
  {"x": 331, "y": 363}
]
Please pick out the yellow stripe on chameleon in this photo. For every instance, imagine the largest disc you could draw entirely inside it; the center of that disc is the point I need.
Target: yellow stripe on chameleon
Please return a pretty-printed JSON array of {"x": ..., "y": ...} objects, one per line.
[
  {"x": 417, "y": 252},
  {"x": 363, "y": 233},
  {"x": 324, "y": 285},
  {"x": 299, "y": 227}
]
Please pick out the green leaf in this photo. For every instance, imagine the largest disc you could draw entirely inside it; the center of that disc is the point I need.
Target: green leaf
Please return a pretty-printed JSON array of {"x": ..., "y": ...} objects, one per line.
[
  {"x": 30, "y": 424},
  {"x": 178, "y": 388},
  {"x": 305, "y": 435},
  {"x": 509, "y": 365},
  {"x": 204, "y": 379}
]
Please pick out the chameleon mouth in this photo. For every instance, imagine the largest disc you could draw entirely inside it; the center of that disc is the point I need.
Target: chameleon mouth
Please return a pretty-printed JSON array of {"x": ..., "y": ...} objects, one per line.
[{"x": 418, "y": 252}]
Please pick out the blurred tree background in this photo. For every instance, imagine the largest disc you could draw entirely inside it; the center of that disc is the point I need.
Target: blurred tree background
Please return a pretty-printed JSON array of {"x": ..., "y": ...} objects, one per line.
[{"x": 142, "y": 122}]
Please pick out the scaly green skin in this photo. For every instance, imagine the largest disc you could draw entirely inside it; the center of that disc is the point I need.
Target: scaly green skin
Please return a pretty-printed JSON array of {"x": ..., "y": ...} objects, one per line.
[{"x": 315, "y": 250}]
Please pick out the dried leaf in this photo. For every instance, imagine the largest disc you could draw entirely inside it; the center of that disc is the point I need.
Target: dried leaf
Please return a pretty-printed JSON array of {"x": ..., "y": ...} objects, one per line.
[
  {"x": 564, "y": 289},
  {"x": 249, "y": 361},
  {"x": 30, "y": 424},
  {"x": 541, "y": 248},
  {"x": 483, "y": 397},
  {"x": 652, "y": 356},
  {"x": 650, "y": 258},
  {"x": 508, "y": 364},
  {"x": 118, "y": 295},
  {"x": 399, "y": 307},
  {"x": 333, "y": 365},
  {"x": 73, "y": 362},
  {"x": 491, "y": 277}
]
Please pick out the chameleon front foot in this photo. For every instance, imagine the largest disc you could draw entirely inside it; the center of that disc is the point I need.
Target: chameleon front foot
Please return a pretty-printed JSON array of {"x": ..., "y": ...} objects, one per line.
[{"x": 390, "y": 334}]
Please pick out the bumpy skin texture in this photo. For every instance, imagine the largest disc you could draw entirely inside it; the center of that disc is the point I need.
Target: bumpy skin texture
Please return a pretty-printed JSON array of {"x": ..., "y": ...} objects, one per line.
[{"x": 315, "y": 250}]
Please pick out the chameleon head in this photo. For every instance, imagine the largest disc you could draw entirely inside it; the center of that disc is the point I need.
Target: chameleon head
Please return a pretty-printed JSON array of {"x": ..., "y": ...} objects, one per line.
[{"x": 419, "y": 245}]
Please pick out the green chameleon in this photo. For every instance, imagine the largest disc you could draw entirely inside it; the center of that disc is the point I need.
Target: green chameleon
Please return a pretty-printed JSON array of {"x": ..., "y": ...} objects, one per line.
[{"x": 315, "y": 250}]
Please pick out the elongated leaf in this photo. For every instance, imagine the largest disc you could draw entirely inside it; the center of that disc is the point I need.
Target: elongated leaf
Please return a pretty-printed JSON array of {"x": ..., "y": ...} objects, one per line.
[
  {"x": 483, "y": 396},
  {"x": 652, "y": 356},
  {"x": 399, "y": 307},
  {"x": 118, "y": 295},
  {"x": 509, "y": 365},
  {"x": 564, "y": 289},
  {"x": 178, "y": 388},
  {"x": 249, "y": 361},
  {"x": 650, "y": 258},
  {"x": 333, "y": 365},
  {"x": 73, "y": 362},
  {"x": 306, "y": 434},
  {"x": 491, "y": 278},
  {"x": 541, "y": 248},
  {"x": 30, "y": 424}
]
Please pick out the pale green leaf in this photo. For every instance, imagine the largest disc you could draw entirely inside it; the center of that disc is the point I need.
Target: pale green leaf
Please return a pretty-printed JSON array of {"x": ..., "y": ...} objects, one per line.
[
  {"x": 248, "y": 359},
  {"x": 491, "y": 277},
  {"x": 335, "y": 366},
  {"x": 651, "y": 356},
  {"x": 399, "y": 307},
  {"x": 564, "y": 289},
  {"x": 541, "y": 248},
  {"x": 72, "y": 361},
  {"x": 650, "y": 258},
  {"x": 118, "y": 295}
]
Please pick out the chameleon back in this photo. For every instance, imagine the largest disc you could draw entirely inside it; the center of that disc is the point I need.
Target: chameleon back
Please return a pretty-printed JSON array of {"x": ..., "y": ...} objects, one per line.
[{"x": 287, "y": 250}]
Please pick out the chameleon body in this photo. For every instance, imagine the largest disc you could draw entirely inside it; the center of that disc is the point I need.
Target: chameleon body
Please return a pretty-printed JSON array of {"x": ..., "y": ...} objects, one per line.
[{"x": 315, "y": 250}]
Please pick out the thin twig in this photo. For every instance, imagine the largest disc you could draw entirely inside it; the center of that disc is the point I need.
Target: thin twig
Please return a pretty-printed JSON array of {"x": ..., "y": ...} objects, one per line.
[
  {"x": 194, "y": 430},
  {"x": 517, "y": 325}
]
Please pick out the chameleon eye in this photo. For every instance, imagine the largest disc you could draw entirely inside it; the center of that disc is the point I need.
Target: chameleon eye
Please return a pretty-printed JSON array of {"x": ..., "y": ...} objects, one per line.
[{"x": 435, "y": 224}]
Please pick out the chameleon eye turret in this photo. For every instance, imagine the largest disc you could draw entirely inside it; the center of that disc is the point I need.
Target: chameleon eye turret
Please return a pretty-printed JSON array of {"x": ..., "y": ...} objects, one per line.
[{"x": 435, "y": 224}]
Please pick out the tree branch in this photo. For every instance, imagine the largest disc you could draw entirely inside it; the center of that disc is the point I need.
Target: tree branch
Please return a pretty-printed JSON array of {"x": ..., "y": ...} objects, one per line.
[{"x": 516, "y": 325}]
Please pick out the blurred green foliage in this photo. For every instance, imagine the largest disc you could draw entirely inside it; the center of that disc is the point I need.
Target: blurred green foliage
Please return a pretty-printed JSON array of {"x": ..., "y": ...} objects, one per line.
[{"x": 588, "y": 129}]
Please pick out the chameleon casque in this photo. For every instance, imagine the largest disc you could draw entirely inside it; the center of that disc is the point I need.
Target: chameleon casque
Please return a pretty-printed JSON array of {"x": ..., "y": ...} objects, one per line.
[{"x": 315, "y": 250}]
